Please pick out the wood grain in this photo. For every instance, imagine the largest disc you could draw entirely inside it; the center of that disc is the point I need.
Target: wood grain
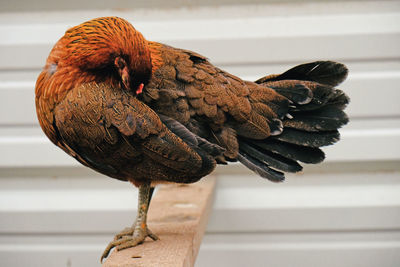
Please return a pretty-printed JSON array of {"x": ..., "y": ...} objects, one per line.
[{"x": 178, "y": 214}]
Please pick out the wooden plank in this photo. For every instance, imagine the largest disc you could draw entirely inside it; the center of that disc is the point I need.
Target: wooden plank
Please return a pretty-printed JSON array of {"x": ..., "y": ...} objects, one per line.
[{"x": 178, "y": 215}]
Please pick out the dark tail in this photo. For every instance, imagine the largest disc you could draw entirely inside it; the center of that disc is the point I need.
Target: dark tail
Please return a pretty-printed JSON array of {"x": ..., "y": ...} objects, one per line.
[{"x": 315, "y": 114}]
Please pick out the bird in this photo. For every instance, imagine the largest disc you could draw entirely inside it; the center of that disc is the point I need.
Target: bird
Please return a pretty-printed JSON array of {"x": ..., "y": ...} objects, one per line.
[{"x": 148, "y": 113}]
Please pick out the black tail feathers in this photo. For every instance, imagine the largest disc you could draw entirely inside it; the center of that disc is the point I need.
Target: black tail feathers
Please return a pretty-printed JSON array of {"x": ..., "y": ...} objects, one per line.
[
  {"x": 313, "y": 120},
  {"x": 324, "y": 72}
]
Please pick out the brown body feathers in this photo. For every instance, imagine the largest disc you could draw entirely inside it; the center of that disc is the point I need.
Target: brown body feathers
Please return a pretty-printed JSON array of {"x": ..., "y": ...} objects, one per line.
[{"x": 189, "y": 116}]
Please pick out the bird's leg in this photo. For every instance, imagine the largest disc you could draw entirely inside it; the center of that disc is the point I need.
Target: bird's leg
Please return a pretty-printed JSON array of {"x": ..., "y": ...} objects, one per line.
[
  {"x": 132, "y": 236},
  {"x": 128, "y": 231}
]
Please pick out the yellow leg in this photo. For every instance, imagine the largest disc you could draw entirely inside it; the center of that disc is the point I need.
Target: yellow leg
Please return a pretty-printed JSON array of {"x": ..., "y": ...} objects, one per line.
[{"x": 132, "y": 236}]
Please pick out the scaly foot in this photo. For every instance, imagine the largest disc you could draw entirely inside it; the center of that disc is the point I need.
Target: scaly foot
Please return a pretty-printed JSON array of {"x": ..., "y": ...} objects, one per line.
[{"x": 129, "y": 237}]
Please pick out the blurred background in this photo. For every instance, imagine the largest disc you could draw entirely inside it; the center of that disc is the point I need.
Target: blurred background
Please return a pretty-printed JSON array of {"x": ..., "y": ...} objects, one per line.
[{"x": 344, "y": 212}]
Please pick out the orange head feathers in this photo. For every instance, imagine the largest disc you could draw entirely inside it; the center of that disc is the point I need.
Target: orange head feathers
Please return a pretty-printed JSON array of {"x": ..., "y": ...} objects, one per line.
[
  {"x": 102, "y": 49},
  {"x": 98, "y": 42}
]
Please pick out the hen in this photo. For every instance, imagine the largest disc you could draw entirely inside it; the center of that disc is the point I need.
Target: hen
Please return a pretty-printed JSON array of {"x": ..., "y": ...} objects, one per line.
[{"x": 145, "y": 112}]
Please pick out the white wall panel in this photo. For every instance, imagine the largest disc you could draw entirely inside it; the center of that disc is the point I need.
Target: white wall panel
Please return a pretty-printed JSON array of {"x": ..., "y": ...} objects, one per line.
[
  {"x": 345, "y": 212},
  {"x": 336, "y": 249}
]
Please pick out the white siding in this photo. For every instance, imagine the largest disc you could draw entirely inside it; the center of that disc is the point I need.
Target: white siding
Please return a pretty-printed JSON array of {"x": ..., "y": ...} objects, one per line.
[{"x": 345, "y": 212}]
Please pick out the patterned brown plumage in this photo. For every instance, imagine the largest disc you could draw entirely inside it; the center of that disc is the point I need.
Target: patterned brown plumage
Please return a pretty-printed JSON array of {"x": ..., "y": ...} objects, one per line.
[
  {"x": 210, "y": 102},
  {"x": 145, "y": 112}
]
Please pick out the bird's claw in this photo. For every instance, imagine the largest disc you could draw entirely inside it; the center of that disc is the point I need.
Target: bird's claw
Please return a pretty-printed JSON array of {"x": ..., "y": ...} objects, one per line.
[{"x": 129, "y": 237}]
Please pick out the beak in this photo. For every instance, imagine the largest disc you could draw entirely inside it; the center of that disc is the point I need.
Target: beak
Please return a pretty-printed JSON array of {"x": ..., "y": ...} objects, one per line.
[{"x": 139, "y": 89}]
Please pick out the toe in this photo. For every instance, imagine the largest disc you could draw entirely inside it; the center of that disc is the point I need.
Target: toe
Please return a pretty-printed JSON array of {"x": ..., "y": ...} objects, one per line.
[
  {"x": 113, "y": 244},
  {"x": 128, "y": 231},
  {"x": 128, "y": 238},
  {"x": 151, "y": 235},
  {"x": 130, "y": 243}
]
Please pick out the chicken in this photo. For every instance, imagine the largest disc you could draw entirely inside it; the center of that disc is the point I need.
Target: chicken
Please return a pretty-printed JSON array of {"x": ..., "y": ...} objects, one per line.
[{"x": 148, "y": 113}]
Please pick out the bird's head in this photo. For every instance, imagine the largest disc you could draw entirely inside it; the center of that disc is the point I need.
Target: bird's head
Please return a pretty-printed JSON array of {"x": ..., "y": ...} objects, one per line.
[{"x": 108, "y": 46}]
